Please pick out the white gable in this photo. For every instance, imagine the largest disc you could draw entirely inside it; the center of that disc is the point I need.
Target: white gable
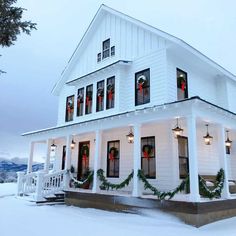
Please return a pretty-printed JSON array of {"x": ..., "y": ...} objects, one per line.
[{"x": 131, "y": 38}]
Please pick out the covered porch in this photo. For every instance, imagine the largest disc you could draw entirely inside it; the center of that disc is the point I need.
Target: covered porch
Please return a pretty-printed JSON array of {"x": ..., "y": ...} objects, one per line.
[{"x": 90, "y": 145}]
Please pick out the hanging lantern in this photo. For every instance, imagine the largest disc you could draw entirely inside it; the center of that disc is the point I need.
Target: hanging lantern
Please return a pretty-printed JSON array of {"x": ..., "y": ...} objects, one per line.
[
  {"x": 228, "y": 142},
  {"x": 207, "y": 138},
  {"x": 130, "y": 136},
  {"x": 177, "y": 130},
  {"x": 53, "y": 147},
  {"x": 72, "y": 145}
]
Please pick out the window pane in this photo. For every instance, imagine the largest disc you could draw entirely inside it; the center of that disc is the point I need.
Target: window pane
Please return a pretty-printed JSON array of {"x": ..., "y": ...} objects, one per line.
[
  {"x": 106, "y": 48},
  {"x": 110, "y": 93},
  {"x": 69, "y": 108},
  {"x": 113, "y": 158},
  {"x": 183, "y": 156},
  {"x": 89, "y": 99},
  {"x": 182, "y": 85},
  {"x": 100, "y": 96},
  {"x": 113, "y": 51},
  {"x": 148, "y": 157},
  {"x": 142, "y": 87},
  {"x": 80, "y": 102}
]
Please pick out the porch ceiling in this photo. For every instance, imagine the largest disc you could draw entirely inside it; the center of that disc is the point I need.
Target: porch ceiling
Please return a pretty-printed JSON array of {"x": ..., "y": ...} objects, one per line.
[{"x": 192, "y": 106}]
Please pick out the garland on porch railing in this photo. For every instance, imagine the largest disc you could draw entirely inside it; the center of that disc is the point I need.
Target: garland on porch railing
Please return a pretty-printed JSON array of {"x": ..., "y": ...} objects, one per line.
[
  {"x": 184, "y": 185},
  {"x": 160, "y": 194},
  {"x": 218, "y": 186},
  {"x": 79, "y": 184},
  {"x": 106, "y": 185}
]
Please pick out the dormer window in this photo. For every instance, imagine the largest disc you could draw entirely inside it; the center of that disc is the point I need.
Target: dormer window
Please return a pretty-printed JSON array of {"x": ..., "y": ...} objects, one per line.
[
  {"x": 106, "y": 49},
  {"x": 182, "y": 85}
]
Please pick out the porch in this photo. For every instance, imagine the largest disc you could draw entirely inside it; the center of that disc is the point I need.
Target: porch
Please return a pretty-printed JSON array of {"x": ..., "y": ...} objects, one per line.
[{"x": 162, "y": 169}]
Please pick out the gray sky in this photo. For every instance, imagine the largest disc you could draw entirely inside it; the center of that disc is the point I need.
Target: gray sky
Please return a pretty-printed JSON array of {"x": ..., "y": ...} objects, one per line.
[{"x": 35, "y": 63}]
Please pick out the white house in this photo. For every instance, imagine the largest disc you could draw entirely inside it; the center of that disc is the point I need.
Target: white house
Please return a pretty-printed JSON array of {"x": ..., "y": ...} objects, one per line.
[{"x": 127, "y": 77}]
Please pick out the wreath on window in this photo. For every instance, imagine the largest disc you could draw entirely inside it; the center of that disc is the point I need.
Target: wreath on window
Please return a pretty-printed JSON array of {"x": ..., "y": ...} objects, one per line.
[
  {"x": 142, "y": 82},
  {"x": 69, "y": 106},
  {"x": 100, "y": 94},
  {"x": 182, "y": 84},
  {"x": 110, "y": 91},
  {"x": 113, "y": 153},
  {"x": 147, "y": 150},
  {"x": 85, "y": 152},
  {"x": 80, "y": 99},
  {"x": 89, "y": 97}
]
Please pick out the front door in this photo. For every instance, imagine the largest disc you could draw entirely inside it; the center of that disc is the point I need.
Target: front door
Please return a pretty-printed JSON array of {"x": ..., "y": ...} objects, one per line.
[
  {"x": 83, "y": 159},
  {"x": 183, "y": 156}
]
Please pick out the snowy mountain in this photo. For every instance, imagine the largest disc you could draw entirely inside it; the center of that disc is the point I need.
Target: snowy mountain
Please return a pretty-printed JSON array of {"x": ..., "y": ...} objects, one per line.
[{"x": 9, "y": 168}]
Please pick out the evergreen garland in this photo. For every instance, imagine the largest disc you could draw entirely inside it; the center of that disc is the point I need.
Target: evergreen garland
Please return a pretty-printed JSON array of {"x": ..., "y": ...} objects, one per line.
[
  {"x": 79, "y": 184},
  {"x": 106, "y": 185},
  {"x": 162, "y": 195}
]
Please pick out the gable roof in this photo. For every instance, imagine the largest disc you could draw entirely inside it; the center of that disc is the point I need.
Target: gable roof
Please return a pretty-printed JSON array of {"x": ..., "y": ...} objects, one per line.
[{"x": 104, "y": 9}]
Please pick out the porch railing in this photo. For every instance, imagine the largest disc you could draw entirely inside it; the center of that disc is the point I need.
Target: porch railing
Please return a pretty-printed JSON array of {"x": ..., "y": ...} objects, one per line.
[{"x": 41, "y": 184}]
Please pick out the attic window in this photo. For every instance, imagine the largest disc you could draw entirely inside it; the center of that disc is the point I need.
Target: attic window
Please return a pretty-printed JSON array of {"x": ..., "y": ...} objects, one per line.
[
  {"x": 99, "y": 57},
  {"x": 106, "y": 49},
  {"x": 113, "y": 51}
]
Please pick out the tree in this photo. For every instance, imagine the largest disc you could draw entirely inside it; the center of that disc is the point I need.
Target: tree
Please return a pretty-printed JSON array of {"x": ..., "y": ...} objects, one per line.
[{"x": 11, "y": 24}]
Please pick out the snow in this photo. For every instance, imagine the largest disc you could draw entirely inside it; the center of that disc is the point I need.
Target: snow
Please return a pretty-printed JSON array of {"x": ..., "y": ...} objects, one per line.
[{"x": 23, "y": 218}]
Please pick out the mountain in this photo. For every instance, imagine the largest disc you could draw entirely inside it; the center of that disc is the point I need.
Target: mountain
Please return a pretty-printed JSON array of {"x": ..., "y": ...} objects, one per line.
[{"x": 9, "y": 169}]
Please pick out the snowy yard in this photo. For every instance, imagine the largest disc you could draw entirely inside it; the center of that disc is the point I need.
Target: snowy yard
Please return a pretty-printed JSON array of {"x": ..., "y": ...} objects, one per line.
[{"x": 23, "y": 218}]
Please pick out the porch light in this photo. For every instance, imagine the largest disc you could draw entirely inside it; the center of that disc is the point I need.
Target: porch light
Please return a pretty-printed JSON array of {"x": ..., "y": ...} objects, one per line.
[
  {"x": 177, "y": 130},
  {"x": 130, "y": 136},
  {"x": 228, "y": 142},
  {"x": 72, "y": 145},
  {"x": 53, "y": 147},
  {"x": 207, "y": 138}
]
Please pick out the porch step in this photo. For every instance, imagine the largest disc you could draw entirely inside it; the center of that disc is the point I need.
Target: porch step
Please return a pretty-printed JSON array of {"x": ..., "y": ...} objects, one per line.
[{"x": 54, "y": 199}]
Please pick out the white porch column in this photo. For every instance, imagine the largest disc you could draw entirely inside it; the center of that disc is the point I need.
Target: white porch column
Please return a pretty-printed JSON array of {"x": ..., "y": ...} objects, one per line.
[
  {"x": 193, "y": 162},
  {"x": 223, "y": 160},
  {"x": 30, "y": 159},
  {"x": 68, "y": 160},
  {"x": 48, "y": 154},
  {"x": 97, "y": 156},
  {"x": 137, "y": 160}
]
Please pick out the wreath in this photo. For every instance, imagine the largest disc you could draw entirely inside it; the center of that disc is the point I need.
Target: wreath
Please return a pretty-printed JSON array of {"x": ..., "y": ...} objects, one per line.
[
  {"x": 142, "y": 82},
  {"x": 110, "y": 90},
  {"x": 69, "y": 106},
  {"x": 85, "y": 152},
  {"x": 100, "y": 94},
  {"x": 80, "y": 99},
  {"x": 182, "y": 83},
  {"x": 147, "y": 150},
  {"x": 113, "y": 153}
]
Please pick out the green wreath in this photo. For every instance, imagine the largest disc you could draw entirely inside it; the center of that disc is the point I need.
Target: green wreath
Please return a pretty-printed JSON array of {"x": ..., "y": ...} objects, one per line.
[
  {"x": 181, "y": 80},
  {"x": 85, "y": 150},
  {"x": 142, "y": 81},
  {"x": 100, "y": 92},
  {"x": 115, "y": 152},
  {"x": 110, "y": 88},
  {"x": 147, "y": 148}
]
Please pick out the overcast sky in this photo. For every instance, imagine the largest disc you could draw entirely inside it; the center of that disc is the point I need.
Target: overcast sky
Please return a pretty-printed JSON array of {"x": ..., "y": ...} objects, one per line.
[{"x": 35, "y": 63}]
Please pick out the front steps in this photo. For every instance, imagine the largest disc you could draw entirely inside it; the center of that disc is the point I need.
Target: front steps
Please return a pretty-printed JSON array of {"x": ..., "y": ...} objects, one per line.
[{"x": 57, "y": 198}]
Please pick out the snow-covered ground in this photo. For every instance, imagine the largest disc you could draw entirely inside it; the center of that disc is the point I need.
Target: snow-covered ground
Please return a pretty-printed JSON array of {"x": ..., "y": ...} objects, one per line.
[{"x": 24, "y": 218}]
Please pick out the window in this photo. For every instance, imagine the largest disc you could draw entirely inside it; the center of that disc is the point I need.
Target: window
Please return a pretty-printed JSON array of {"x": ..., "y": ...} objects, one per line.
[
  {"x": 113, "y": 51},
  {"x": 99, "y": 57},
  {"x": 70, "y": 108},
  {"x": 100, "y": 96},
  {"x": 89, "y": 99},
  {"x": 148, "y": 157},
  {"x": 142, "y": 87},
  {"x": 106, "y": 49},
  {"x": 183, "y": 157},
  {"x": 182, "y": 85},
  {"x": 227, "y": 148},
  {"x": 80, "y": 102},
  {"x": 110, "y": 93},
  {"x": 113, "y": 158}
]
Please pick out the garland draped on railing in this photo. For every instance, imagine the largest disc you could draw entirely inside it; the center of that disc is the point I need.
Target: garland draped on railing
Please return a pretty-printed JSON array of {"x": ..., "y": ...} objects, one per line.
[
  {"x": 106, "y": 185},
  {"x": 218, "y": 186},
  {"x": 161, "y": 194},
  {"x": 184, "y": 185},
  {"x": 79, "y": 184}
]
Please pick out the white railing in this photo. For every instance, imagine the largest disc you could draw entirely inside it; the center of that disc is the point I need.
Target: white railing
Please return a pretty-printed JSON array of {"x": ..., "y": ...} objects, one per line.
[
  {"x": 26, "y": 183},
  {"x": 41, "y": 184}
]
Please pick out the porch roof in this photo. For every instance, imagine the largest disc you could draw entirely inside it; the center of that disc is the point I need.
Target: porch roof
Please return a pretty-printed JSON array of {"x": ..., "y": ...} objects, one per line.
[{"x": 176, "y": 104}]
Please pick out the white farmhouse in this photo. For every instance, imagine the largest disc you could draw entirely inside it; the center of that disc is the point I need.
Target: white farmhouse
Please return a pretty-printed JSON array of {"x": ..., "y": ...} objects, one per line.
[{"x": 132, "y": 98}]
